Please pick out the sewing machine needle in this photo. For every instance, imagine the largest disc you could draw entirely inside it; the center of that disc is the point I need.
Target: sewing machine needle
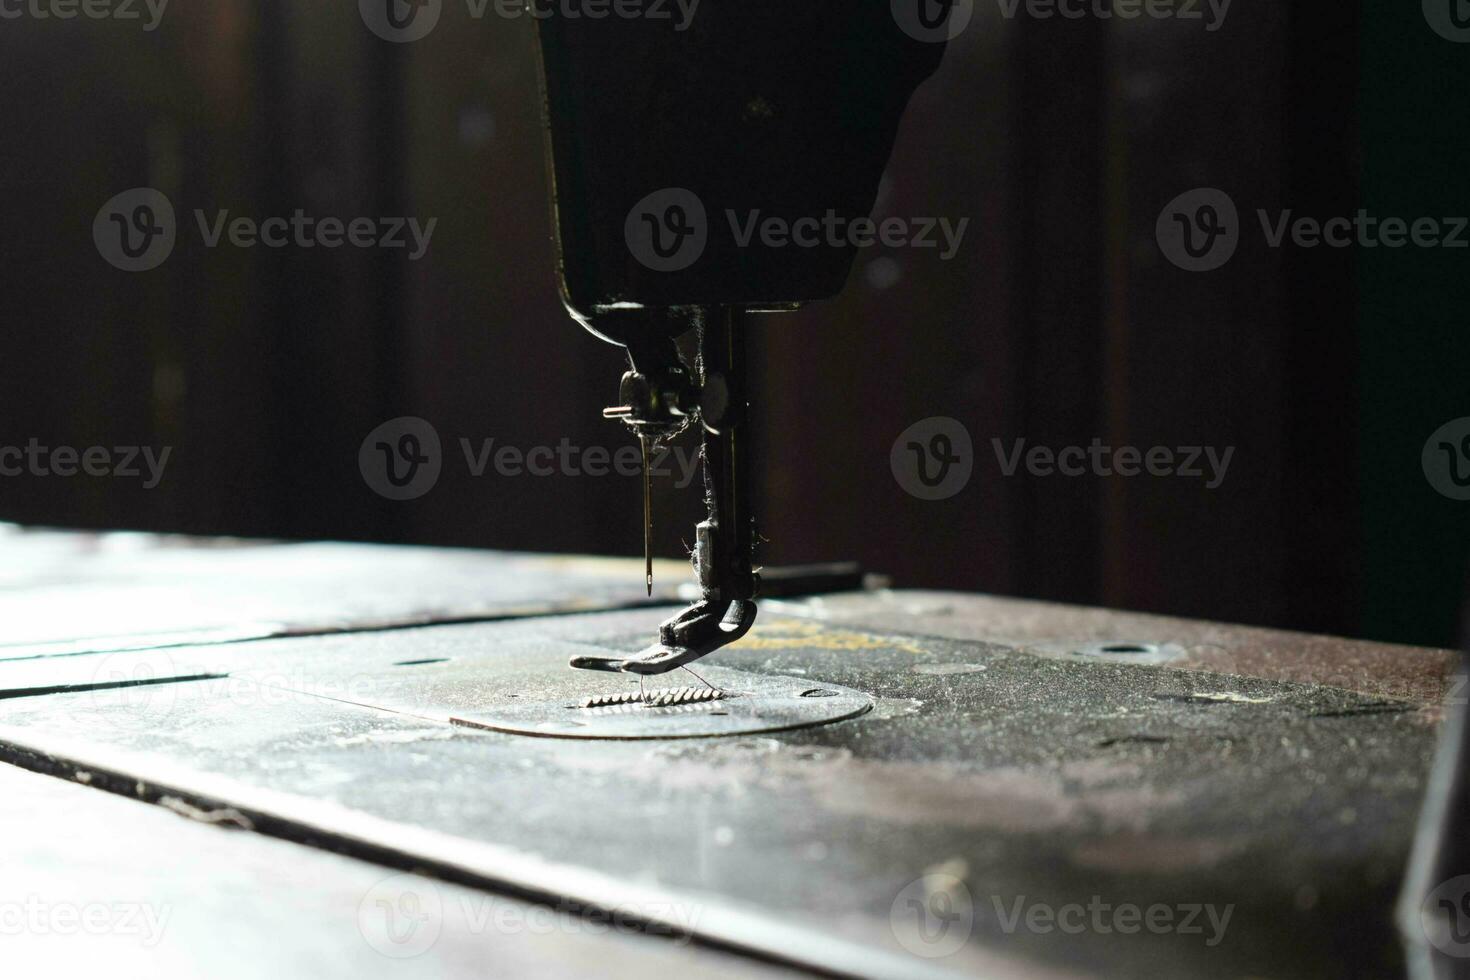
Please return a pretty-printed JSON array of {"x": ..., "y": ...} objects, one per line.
[{"x": 647, "y": 519}]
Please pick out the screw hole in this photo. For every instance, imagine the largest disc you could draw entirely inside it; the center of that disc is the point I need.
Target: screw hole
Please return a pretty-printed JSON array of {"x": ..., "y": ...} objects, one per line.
[{"x": 817, "y": 692}]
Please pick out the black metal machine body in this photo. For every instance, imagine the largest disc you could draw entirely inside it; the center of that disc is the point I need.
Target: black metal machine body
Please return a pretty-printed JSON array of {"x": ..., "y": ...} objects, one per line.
[{"x": 675, "y": 148}]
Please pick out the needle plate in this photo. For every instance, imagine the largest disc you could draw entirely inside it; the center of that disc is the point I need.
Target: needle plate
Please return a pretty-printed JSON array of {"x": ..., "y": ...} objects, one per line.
[{"x": 747, "y": 704}]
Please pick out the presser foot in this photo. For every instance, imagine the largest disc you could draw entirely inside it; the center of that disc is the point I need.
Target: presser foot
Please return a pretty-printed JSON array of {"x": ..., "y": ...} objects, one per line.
[{"x": 696, "y": 632}]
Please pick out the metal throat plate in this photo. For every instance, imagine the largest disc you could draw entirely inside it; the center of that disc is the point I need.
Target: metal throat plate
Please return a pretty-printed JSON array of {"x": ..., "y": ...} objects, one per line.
[{"x": 748, "y": 704}]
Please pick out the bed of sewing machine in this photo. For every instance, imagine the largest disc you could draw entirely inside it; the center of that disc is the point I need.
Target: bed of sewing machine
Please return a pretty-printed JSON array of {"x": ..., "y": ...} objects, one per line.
[{"x": 383, "y": 753}]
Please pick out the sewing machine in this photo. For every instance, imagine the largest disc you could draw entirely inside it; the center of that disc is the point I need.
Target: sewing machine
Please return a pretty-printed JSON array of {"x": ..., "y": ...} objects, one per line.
[
  {"x": 663, "y": 143},
  {"x": 359, "y": 760}
]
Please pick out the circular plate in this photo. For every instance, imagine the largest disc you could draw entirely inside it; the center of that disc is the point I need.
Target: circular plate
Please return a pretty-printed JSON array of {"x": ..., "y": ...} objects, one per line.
[{"x": 753, "y": 703}]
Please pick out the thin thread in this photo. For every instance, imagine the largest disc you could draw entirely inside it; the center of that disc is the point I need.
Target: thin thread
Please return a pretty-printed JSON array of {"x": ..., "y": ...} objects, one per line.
[{"x": 701, "y": 679}]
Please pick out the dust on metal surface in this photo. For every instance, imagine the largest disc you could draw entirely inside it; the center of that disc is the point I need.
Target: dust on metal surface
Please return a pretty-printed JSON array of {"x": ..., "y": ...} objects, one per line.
[
  {"x": 1053, "y": 778},
  {"x": 741, "y": 703}
]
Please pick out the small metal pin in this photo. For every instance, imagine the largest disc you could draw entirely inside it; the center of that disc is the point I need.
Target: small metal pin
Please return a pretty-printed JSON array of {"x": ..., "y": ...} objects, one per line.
[{"x": 647, "y": 518}]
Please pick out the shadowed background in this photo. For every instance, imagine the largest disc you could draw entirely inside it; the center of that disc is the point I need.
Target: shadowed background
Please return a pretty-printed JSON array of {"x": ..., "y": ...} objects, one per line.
[{"x": 1057, "y": 322}]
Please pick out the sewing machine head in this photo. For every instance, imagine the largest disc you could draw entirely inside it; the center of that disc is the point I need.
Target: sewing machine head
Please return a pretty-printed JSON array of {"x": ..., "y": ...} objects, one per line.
[{"x": 698, "y": 165}]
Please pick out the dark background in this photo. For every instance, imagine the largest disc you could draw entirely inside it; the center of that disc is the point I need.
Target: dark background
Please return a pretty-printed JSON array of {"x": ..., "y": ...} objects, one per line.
[{"x": 1058, "y": 321}]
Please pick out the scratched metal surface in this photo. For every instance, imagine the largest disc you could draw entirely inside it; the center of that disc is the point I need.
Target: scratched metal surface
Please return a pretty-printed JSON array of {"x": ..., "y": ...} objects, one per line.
[
  {"x": 1388, "y": 670},
  {"x": 1031, "y": 775},
  {"x": 93, "y": 884},
  {"x": 64, "y": 592}
]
